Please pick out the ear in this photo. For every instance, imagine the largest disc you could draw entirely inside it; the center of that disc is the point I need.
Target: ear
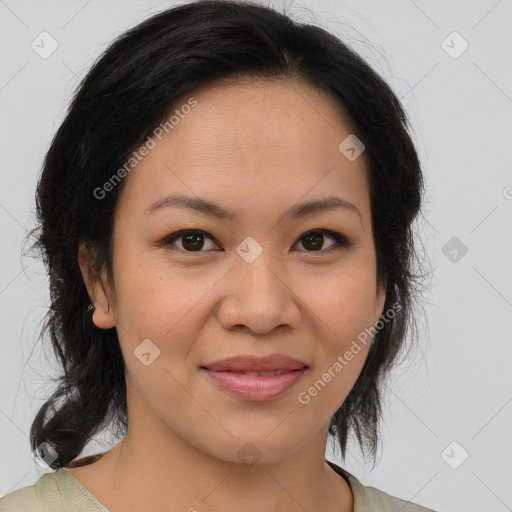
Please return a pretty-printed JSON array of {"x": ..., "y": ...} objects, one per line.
[{"x": 103, "y": 314}]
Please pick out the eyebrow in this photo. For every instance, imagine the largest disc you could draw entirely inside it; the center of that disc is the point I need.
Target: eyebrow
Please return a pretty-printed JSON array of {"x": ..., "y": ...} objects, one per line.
[{"x": 210, "y": 208}]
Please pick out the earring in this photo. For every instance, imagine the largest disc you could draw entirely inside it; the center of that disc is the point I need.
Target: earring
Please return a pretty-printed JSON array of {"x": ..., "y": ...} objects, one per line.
[{"x": 92, "y": 308}]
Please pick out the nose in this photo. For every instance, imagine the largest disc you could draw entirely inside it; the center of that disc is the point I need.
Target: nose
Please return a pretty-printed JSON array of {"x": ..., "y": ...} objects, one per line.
[{"x": 257, "y": 297}]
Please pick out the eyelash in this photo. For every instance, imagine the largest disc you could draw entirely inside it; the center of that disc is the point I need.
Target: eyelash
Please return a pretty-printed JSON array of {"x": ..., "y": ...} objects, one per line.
[{"x": 340, "y": 241}]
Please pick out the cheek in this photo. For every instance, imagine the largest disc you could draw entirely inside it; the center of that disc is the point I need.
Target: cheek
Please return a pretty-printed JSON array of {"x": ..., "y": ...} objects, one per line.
[
  {"x": 341, "y": 308},
  {"x": 342, "y": 302},
  {"x": 158, "y": 302},
  {"x": 340, "y": 314}
]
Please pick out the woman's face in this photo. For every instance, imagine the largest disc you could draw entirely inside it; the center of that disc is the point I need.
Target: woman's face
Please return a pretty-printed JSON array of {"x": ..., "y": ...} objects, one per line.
[{"x": 252, "y": 283}]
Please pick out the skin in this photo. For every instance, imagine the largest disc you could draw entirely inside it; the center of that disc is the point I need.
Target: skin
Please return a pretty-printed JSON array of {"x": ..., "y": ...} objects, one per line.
[{"x": 258, "y": 148}]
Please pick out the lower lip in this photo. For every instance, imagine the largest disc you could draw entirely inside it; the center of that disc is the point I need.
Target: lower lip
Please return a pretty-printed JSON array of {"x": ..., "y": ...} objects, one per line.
[{"x": 256, "y": 388}]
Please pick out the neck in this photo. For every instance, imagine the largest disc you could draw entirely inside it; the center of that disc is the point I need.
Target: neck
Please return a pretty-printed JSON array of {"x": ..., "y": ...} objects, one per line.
[{"x": 128, "y": 478}]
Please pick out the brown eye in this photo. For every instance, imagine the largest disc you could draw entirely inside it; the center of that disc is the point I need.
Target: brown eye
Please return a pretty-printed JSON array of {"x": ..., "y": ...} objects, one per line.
[
  {"x": 313, "y": 241},
  {"x": 191, "y": 241}
]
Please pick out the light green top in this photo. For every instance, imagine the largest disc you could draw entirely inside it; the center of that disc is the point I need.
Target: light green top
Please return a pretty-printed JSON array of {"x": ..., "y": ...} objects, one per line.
[{"x": 61, "y": 492}]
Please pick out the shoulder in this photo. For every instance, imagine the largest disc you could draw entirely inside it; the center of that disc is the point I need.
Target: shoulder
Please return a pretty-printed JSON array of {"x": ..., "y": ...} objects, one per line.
[
  {"x": 370, "y": 499},
  {"x": 53, "y": 492},
  {"x": 379, "y": 500},
  {"x": 29, "y": 498},
  {"x": 21, "y": 500}
]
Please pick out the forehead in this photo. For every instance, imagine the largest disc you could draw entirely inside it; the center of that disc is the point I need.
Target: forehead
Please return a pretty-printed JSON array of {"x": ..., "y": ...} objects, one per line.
[
  {"x": 286, "y": 119},
  {"x": 250, "y": 140}
]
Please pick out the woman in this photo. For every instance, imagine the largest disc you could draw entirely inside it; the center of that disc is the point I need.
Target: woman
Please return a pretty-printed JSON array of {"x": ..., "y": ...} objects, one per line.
[{"x": 226, "y": 215}]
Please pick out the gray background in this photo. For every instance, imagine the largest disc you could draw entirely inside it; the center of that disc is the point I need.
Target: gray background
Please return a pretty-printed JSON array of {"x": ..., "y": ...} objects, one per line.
[{"x": 457, "y": 387}]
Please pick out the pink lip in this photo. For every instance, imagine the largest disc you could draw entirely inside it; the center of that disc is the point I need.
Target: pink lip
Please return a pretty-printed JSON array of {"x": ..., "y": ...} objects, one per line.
[
  {"x": 252, "y": 363},
  {"x": 255, "y": 388}
]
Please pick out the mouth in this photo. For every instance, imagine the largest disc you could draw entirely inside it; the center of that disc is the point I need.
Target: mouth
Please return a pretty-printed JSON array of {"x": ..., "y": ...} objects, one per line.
[
  {"x": 255, "y": 386},
  {"x": 271, "y": 373},
  {"x": 247, "y": 363}
]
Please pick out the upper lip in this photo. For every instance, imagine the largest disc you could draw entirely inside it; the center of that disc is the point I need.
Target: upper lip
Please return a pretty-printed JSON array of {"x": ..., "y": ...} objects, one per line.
[{"x": 251, "y": 363}]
